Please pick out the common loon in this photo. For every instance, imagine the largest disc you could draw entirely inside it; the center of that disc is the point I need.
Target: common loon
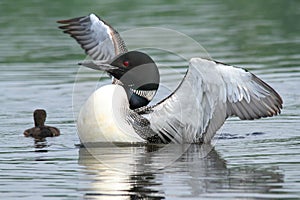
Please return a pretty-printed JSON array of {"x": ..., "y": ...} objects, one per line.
[
  {"x": 40, "y": 130},
  {"x": 209, "y": 93}
]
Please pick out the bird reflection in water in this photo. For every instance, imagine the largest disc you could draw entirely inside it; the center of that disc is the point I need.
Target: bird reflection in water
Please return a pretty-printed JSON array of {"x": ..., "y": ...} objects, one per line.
[
  {"x": 41, "y": 144},
  {"x": 137, "y": 172}
]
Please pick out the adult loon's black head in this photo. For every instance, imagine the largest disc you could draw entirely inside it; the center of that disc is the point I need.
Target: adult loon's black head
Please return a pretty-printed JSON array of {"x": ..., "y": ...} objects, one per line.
[{"x": 136, "y": 72}]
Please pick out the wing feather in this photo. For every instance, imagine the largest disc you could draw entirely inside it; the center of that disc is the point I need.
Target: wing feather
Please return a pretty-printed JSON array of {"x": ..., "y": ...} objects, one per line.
[
  {"x": 210, "y": 93},
  {"x": 99, "y": 40}
]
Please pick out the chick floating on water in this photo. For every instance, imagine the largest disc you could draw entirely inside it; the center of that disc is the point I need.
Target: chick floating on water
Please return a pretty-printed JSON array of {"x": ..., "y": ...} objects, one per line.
[{"x": 41, "y": 130}]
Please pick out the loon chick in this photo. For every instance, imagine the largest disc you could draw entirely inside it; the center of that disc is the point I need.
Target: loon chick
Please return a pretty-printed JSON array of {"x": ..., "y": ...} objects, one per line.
[
  {"x": 209, "y": 93},
  {"x": 41, "y": 130}
]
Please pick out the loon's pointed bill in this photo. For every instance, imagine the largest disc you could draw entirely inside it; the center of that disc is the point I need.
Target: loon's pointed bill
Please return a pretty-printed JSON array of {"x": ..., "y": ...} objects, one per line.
[
  {"x": 209, "y": 93},
  {"x": 97, "y": 65}
]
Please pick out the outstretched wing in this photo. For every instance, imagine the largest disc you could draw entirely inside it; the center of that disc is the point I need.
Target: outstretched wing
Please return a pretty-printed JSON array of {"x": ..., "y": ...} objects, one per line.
[
  {"x": 99, "y": 40},
  {"x": 209, "y": 93}
]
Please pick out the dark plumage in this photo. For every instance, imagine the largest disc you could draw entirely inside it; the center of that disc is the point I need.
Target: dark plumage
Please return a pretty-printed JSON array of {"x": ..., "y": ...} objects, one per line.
[{"x": 41, "y": 130}]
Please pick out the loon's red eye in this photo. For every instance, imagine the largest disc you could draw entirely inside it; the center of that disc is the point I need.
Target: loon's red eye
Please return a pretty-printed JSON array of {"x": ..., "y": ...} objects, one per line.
[{"x": 126, "y": 63}]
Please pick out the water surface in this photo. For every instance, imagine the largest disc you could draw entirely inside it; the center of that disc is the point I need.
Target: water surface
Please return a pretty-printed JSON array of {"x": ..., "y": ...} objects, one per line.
[{"x": 250, "y": 159}]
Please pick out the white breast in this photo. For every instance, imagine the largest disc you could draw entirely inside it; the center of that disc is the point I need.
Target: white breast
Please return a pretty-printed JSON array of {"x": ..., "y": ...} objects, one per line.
[{"x": 102, "y": 117}]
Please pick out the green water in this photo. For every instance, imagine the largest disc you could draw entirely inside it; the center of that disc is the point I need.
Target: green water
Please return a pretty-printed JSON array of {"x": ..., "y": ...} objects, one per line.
[{"x": 38, "y": 66}]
